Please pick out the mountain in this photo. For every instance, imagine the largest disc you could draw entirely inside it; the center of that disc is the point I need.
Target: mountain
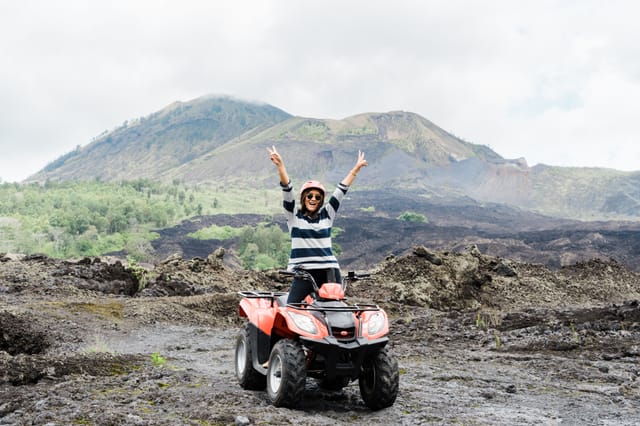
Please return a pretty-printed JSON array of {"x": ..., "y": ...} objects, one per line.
[
  {"x": 223, "y": 140},
  {"x": 150, "y": 146}
]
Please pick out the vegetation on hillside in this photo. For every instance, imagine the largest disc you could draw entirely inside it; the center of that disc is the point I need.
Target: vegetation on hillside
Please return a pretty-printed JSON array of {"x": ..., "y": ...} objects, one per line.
[
  {"x": 586, "y": 193},
  {"x": 76, "y": 219},
  {"x": 71, "y": 219}
]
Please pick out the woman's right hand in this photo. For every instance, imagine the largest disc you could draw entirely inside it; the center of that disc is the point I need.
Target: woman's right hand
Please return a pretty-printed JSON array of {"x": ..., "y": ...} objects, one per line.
[
  {"x": 275, "y": 157},
  {"x": 277, "y": 160}
]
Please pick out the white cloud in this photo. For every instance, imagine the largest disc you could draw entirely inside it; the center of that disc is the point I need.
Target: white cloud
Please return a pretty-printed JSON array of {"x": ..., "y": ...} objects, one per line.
[{"x": 552, "y": 81}]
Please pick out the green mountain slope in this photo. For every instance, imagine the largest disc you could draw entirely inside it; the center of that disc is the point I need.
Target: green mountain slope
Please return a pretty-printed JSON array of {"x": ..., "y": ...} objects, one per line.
[
  {"x": 222, "y": 141},
  {"x": 401, "y": 148},
  {"x": 149, "y": 146},
  {"x": 585, "y": 193}
]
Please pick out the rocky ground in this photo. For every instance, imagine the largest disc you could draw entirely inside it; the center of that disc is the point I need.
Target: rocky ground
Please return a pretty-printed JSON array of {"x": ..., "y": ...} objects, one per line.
[{"x": 479, "y": 340}]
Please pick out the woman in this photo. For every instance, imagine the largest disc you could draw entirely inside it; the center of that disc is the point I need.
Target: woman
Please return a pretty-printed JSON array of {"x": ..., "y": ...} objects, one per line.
[{"x": 310, "y": 227}]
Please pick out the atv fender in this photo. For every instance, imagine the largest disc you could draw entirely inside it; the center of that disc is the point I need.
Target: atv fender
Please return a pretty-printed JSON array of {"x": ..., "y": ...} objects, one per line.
[
  {"x": 285, "y": 326},
  {"x": 260, "y": 348},
  {"x": 258, "y": 312}
]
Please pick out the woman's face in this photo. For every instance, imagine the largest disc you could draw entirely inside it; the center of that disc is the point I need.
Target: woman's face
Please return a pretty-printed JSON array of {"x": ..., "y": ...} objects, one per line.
[{"x": 313, "y": 200}]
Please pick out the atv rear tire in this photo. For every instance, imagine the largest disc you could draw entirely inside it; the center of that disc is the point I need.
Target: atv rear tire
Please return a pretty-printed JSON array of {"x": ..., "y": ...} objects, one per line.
[
  {"x": 286, "y": 375},
  {"x": 248, "y": 377},
  {"x": 379, "y": 379}
]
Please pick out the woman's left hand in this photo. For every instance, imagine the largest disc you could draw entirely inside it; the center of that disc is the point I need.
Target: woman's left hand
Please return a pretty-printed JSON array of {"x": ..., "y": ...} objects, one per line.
[{"x": 361, "y": 161}]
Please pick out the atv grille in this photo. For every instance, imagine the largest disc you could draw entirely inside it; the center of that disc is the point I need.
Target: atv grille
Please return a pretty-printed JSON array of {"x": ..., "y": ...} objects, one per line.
[{"x": 343, "y": 333}]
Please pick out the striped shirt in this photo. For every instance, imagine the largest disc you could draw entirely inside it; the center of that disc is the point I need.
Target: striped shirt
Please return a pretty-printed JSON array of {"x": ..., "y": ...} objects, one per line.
[{"x": 311, "y": 237}]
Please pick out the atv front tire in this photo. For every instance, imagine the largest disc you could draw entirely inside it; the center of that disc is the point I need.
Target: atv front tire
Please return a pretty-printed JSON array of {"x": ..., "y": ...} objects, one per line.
[
  {"x": 379, "y": 379},
  {"x": 248, "y": 377},
  {"x": 286, "y": 375}
]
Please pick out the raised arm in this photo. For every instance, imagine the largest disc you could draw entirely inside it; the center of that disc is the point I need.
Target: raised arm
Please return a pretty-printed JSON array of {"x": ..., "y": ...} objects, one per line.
[
  {"x": 277, "y": 160},
  {"x": 348, "y": 180}
]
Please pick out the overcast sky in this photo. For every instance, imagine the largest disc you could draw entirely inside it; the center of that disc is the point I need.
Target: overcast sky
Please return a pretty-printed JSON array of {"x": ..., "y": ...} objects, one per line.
[{"x": 555, "y": 82}]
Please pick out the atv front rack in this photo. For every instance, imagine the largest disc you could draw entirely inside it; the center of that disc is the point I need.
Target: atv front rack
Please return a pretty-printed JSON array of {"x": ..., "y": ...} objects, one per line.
[
  {"x": 274, "y": 296},
  {"x": 347, "y": 308}
]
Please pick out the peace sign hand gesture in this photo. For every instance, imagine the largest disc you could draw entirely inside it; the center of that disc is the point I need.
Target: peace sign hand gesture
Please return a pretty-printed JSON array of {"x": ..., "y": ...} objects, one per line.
[
  {"x": 276, "y": 159},
  {"x": 275, "y": 156}
]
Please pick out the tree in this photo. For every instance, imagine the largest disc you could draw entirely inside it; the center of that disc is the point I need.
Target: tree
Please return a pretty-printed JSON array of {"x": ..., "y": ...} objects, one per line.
[
  {"x": 249, "y": 255},
  {"x": 117, "y": 223}
]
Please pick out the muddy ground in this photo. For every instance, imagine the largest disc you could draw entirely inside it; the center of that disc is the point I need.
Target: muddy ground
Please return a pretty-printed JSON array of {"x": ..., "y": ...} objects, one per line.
[{"x": 479, "y": 340}]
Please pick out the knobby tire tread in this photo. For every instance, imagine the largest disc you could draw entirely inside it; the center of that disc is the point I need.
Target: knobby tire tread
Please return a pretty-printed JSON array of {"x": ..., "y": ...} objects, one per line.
[
  {"x": 250, "y": 379},
  {"x": 294, "y": 374},
  {"x": 384, "y": 391}
]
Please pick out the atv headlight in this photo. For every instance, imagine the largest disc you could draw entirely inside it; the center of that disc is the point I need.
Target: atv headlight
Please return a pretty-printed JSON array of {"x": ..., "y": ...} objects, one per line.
[
  {"x": 376, "y": 322},
  {"x": 303, "y": 322}
]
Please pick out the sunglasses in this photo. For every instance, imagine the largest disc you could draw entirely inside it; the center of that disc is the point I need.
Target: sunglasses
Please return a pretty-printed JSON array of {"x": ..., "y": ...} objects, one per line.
[{"x": 317, "y": 197}]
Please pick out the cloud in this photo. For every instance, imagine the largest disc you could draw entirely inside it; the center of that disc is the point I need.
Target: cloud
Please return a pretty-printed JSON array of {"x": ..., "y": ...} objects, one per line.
[{"x": 553, "y": 81}]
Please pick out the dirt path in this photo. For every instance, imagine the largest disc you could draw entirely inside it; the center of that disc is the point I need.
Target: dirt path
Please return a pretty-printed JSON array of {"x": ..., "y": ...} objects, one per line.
[
  {"x": 453, "y": 380},
  {"x": 75, "y": 348}
]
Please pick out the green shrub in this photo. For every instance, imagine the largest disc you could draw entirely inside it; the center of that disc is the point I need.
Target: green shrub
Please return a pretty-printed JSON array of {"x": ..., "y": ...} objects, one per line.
[{"x": 413, "y": 217}]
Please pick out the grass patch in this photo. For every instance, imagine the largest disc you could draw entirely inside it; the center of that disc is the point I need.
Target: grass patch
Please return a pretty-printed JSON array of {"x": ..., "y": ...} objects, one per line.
[
  {"x": 215, "y": 232},
  {"x": 158, "y": 360},
  {"x": 98, "y": 346},
  {"x": 488, "y": 318},
  {"x": 109, "y": 310}
]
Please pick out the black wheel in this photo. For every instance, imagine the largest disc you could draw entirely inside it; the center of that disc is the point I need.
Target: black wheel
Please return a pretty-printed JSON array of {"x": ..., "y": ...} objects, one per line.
[
  {"x": 248, "y": 377},
  {"x": 286, "y": 375},
  {"x": 379, "y": 379}
]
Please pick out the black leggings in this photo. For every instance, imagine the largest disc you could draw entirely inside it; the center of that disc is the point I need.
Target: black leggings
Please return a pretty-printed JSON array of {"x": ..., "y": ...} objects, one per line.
[{"x": 301, "y": 288}]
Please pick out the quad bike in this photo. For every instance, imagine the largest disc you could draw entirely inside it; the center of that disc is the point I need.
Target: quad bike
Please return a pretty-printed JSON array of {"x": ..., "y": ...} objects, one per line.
[{"x": 322, "y": 337}]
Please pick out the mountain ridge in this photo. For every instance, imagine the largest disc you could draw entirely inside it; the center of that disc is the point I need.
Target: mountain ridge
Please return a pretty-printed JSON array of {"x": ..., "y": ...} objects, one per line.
[
  {"x": 221, "y": 140},
  {"x": 172, "y": 136}
]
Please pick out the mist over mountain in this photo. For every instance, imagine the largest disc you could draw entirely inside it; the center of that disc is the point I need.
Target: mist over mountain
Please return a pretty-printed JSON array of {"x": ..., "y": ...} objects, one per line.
[{"x": 222, "y": 140}]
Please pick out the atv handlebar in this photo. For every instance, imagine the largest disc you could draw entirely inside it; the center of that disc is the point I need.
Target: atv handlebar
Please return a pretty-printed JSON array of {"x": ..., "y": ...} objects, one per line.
[
  {"x": 302, "y": 274},
  {"x": 355, "y": 276}
]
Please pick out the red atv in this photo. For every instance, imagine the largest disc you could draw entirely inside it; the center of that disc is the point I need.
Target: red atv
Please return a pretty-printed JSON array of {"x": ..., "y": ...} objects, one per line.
[{"x": 323, "y": 337}]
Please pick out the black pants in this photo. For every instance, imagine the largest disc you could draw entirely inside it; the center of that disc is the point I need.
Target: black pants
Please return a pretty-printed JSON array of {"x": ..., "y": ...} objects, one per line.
[{"x": 301, "y": 288}]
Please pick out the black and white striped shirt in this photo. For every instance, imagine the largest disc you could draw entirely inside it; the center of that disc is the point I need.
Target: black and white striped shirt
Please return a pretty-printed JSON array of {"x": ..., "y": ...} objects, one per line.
[{"x": 311, "y": 237}]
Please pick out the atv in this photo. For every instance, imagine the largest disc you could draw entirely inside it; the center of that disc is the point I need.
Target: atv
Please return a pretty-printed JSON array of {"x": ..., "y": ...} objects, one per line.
[{"x": 323, "y": 337}]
